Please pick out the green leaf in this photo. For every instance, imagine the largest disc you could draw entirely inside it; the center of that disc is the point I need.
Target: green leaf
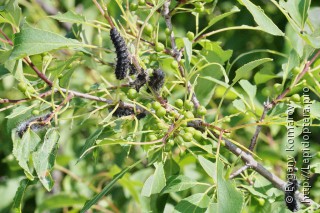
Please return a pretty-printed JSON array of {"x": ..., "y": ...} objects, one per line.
[
  {"x": 11, "y": 13},
  {"x": 208, "y": 167},
  {"x": 217, "y": 53},
  {"x": 20, "y": 110},
  {"x": 106, "y": 190},
  {"x": 315, "y": 110},
  {"x": 254, "y": 192},
  {"x": 90, "y": 142},
  {"x": 22, "y": 148},
  {"x": 155, "y": 183},
  {"x": 250, "y": 89},
  {"x": 217, "y": 18},
  {"x": 44, "y": 158},
  {"x": 18, "y": 198},
  {"x": 32, "y": 41},
  {"x": 178, "y": 183},
  {"x": 264, "y": 75},
  {"x": 239, "y": 105},
  {"x": 262, "y": 19},
  {"x": 244, "y": 71},
  {"x": 188, "y": 50},
  {"x": 229, "y": 198},
  {"x": 60, "y": 201},
  {"x": 293, "y": 61},
  {"x": 197, "y": 203},
  {"x": 70, "y": 17},
  {"x": 298, "y": 10}
]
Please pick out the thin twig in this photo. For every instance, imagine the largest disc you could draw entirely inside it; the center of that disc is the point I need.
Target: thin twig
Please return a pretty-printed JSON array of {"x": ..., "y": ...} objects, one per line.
[{"x": 268, "y": 106}]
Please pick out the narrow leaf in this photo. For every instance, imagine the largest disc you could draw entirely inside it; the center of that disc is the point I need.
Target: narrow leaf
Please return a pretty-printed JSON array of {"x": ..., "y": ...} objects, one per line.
[
  {"x": 243, "y": 71},
  {"x": 90, "y": 142},
  {"x": 18, "y": 198},
  {"x": 261, "y": 18},
  {"x": 298, "y": 10}
]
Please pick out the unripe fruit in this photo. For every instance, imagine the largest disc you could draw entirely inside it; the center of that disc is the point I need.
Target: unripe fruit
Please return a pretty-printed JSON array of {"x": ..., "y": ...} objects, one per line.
[
  {"x": 152, "y": 137},
  {"x": 159, "y": 47},
  {"x": 197, "y": 135},
  {"x": 22, "y": 87},
  {"x": 171, "y": 142},
  {"x": 261, "y": 201},
  {"x": 35, "y": 112},
  {"x": 187, "y": 137},
  {"x": 142, "y": 2},
  {"x": 190, "y": 36},
  {"x": 161, "y": 126},
  {"x": 174, "y": 64},
  {"x": 277, "y": 87},
  {"x": 296, "y": 70},
  {"x": 132, "y": 94},
  {"x": 201, "y": 110},
  {"x": 156, "y": 105},
  {"x": 178, "y": 103},
  {"x": 188, "y": 115},
  {"x": 295, "y": 98},
  {"x": 167, "y": 31},
  {"x": 148, "y": 29},
  {"x": 161, "y": 112},
  {"x": 190, "y": 130},
  {"x": 153, "y": 57},
  {"x": 133, "y": 6},
  {"x": 188, "y": 105}
]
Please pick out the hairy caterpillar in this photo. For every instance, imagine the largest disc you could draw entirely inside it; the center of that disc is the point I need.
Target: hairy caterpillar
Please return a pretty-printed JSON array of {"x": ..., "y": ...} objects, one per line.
[
  {"x": 132, "y": 69},
  {"x": 156, "y": 81},
  {"x": 122, "y": 65},
  {"x": 125, "y": 111},
  {"x": 290, "y": 197},
  {"x": 34, "y": 123},
  {"x": 140, "y": 80}
]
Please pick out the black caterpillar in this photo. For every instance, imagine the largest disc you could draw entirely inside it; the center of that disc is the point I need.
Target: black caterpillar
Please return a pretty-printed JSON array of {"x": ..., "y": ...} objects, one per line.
[
  {"x": 156, "y": 81},
  {"x": 140, "y": 80},
  {"x": 289, "y": 195},
  {"x": 133, "y": 69},
  {"x": 123, "y": 62},
  {"x": 126, "y": 111},
  {"x": 34, "y": 123}
]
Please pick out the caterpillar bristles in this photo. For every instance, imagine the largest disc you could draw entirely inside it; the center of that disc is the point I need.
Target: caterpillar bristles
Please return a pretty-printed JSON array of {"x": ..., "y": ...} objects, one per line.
[
  {"x": 34, "y": 123},
  {"x": 156, "y": 81},
  {"x": 123, "y": 62}
]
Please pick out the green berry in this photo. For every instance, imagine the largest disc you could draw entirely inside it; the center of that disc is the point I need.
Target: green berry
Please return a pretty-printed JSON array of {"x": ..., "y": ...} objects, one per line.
[
  {"x": 133, "y": 6},
  {"x": 159, "y": 47},
  {"x": 318, "y": 154},
  {"x": 277, "y": 87},
  {"x": 171, "y": 142},
  {"x": 156, "y": 105},
  {"x": 296, "y": 70},
  {"x": 188, "y": 115},
  {"x": 153, "y": 57},
  {"x": 22, "y": 87},
  {"x": 178, "y": 103},
  {"x": 295, "y": 98},
  {"x": 152, "y": 137},
  {"x": 35, "y": 112},
  {"x": 201, "y": 110},
  {"x": 161, "y": 112},
  {"x": 190, "y": 36},
  {"x": 148, "y": 29},
  {"x": 161, "y": 125},
  {"x": 167, "y": 31},
  {"x": 197, "y": 135},
  {"x": 187, "y": 137},
  {"x": 261, "y": 201},
  {"x": 148, "y": 105},
  {"x": 132, "y": 94},
  {"x": 190, "y": 130},
  {"x": 199, "y": 7},
  {"x": 142, "y": 2},
  {"x": 188, "y": 105},
  {"x": 174, "y": 64}
]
